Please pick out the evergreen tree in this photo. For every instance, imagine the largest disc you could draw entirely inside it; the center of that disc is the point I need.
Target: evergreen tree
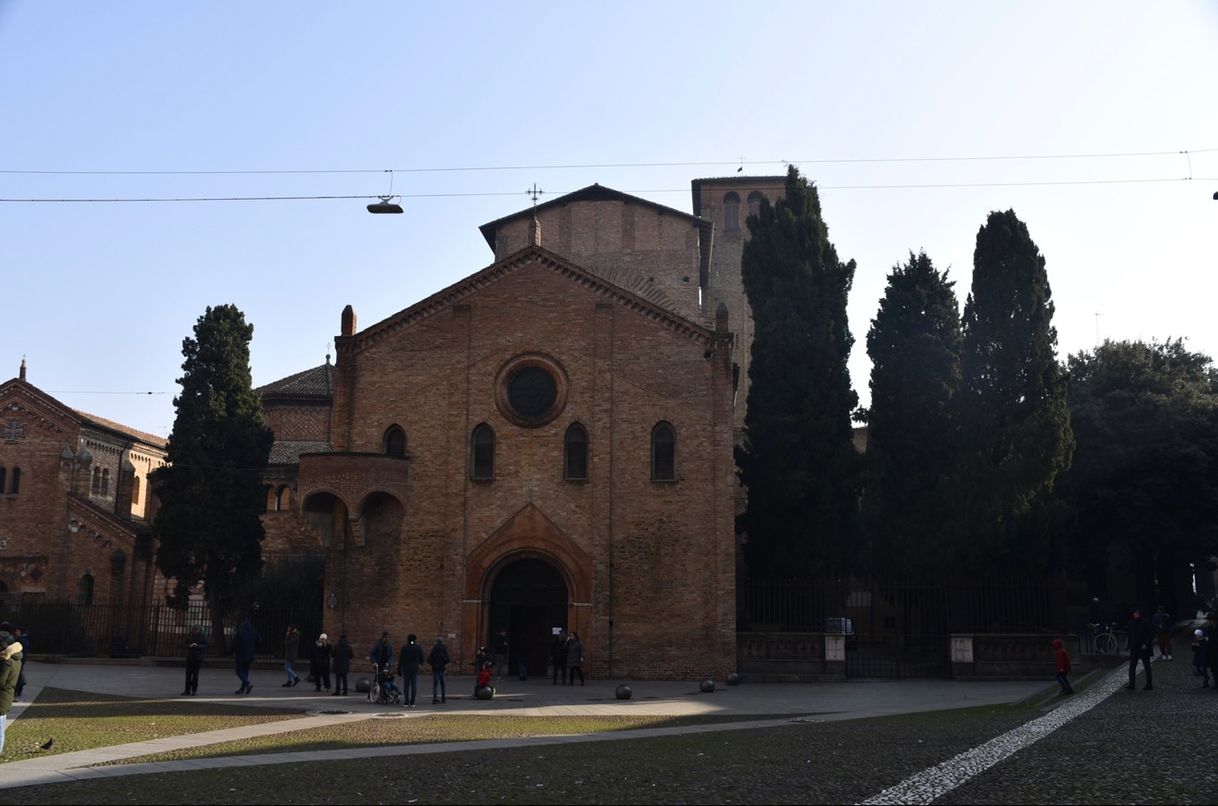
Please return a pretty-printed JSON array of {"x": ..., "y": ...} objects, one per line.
[
  {"x": 209, "y": 524},
  {"x": 1145, "y": 472},
  {"x": 1015, "y": 423},
  {"x": 798, "y": 460},
  {"x": 914, "y": 344}
]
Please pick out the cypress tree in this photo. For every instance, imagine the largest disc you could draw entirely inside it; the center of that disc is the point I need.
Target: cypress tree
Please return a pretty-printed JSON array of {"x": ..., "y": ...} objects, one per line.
[
  {"x": 1015, "y": 422},
  {"x": 209, "y": 525},
  {"x": 914, "y": 345},
  {"x": 798, "y": 460}
]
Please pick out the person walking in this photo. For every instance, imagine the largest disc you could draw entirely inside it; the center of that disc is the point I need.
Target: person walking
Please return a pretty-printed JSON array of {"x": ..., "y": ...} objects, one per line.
[
  {"x": 245, "y": 644},
  {"x": 438, "y": 659},
  {"x": 409, "y": 661},
  {"x": 1063, "y": 666},
  {"x": 343, "y": 653},
  {"x": 10, "y": 669},
  {"x": 291, "y": 653},
  {"x": 320, "y": 666},
  {"x": 1162, "y": 624},
  {"x": 575, "y": 659},
  {"x": 1200, "y": 660},
  {"x": 1141, "y": 638},
  {"x": 196, "y": 648},
  {"x": 558, "y": 657},
  {"x": 1211, "y": 644}
]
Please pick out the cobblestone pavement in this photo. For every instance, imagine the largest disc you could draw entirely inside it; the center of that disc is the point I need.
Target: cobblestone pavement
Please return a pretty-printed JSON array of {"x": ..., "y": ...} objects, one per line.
[
  {"x": 1135, "y": 747},
  {"x": 1130, "y": 747}
]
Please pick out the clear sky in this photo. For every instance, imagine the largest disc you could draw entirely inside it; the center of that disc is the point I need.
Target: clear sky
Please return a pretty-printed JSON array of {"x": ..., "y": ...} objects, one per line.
[{"x": 98, "y": 296}]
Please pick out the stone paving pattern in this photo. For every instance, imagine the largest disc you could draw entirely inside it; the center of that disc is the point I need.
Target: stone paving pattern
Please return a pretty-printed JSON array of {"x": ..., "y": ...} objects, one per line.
[{"x": 1144, "y": 747}]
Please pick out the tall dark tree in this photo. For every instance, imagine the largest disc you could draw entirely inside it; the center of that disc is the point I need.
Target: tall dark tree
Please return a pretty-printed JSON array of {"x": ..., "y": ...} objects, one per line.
[
  {"x": 914, "y": 345},
  {"x": 209, "y": 525},
  {"x": 1014, "y": 420},
  {"x": 1145, "y": 472},
  {"x": 798, "y": 460}
]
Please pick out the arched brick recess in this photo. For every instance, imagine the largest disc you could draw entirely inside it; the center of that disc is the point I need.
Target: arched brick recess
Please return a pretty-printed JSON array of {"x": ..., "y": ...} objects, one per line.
[{"x": 528, "y": 533}]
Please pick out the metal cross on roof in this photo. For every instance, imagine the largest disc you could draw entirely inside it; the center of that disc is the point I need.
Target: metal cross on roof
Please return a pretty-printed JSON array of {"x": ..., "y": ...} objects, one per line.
[{"x": 534, "y": 192}]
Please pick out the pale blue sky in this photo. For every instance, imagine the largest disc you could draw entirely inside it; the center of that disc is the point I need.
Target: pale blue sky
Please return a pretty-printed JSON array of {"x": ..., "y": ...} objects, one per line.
[{"x": 99, "y": 296}]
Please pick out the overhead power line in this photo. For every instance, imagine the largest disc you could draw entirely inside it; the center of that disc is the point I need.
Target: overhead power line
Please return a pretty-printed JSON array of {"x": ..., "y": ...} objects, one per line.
[
  {"x": 901, "y": 186},
  {"x": 598, "y": 165}
]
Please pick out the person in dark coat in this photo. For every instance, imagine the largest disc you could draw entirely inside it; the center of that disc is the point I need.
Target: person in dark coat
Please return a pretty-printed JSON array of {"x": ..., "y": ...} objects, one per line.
[
  {"x": 438, "y": 659},
  {"x": 320, "y": 666},
  {"x": 196, "y": 648},
  {"x": 1211, "y": 644},
  {"x": 11, "y": 659},
  {"x": 575, "y": 659},
  {"x": 1141, "y": 643},
  {"x": 558, "y": 658},
  {"x": 22, "y": 636},
  {"x": 245, "y": 644},
  {"x": 343, "y": 653},
  {"x": 409, "y": 661}
]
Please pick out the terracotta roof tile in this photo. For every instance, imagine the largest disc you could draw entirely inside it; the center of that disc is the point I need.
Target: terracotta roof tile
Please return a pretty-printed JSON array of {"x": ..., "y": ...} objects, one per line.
[
  {"x": 126, "y": 430},
  {"x": 315, "y": 382}
]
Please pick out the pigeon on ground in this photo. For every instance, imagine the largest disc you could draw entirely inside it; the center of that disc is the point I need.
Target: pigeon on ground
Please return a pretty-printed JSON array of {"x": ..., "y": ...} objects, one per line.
[{"x": 49, "y": 743}]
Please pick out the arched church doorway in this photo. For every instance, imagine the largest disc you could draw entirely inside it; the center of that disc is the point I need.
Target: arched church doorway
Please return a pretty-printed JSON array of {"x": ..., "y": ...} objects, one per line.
[{"x": 529, "y": 601}]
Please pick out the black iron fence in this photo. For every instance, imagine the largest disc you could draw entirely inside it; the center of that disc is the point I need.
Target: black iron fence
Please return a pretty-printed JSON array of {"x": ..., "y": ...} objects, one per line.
[
  {"x": 157, "y": 630},
  {"x": 875, "y": 610}
]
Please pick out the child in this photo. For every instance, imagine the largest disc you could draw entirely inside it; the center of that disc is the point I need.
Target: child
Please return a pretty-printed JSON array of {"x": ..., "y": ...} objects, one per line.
[
  {"x": 484, "y": 677},
  {"x": 1063, "y": 666},
  {"x": 1200, "y": 668}
]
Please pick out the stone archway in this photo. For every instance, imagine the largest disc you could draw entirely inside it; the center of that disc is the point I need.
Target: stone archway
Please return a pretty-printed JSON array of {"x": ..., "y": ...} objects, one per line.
[
  {"x": 527, "y": 535},
  {"x": 527, "y": 601}
]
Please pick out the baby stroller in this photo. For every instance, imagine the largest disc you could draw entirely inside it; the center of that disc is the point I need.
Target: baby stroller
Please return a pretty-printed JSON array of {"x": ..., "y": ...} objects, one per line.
[{"x": 383, "y": 690}]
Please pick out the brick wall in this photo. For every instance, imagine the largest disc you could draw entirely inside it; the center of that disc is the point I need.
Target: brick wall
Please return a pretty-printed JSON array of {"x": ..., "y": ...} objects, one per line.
[{"x": 424, "y": 542}]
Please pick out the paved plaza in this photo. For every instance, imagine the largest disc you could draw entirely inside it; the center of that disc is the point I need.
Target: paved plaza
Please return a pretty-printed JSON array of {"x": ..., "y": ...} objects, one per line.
[{"x": 1106, "y": 744}]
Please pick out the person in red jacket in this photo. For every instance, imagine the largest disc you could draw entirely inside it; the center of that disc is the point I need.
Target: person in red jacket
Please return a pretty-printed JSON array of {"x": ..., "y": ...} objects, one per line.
[{"x": 1063, "y": 666}]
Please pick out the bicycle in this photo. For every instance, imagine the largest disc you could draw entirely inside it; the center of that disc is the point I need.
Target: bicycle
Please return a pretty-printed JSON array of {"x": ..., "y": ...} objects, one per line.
[{"x": 1105, "y": 638}]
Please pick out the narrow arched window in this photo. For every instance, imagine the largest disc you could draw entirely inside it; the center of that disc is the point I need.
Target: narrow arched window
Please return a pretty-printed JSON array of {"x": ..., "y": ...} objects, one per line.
[
  {"x": 395, "y": 442},
  {"x": 85, "y": 590},
  {"x": 283, "y": 499},
  {"x": 3, "y": 476},
  {"x": 105, "y": 482},
  {"x": 575, "y": 459},
  {"x": 482, "y": 453},
  {"x": 16, "y": 482},
  {"x": 135, "y": 490},
  {"x": 663, "y": 453},
  {"x": 95, "y": 489},
  {"x": 755, "y": 203},
  {"x": 731, "y": 212}
]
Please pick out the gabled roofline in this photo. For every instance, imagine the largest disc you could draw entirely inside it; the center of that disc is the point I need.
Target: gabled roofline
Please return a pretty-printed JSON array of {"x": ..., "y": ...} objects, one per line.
[
  {"x": 593, "y": 192},
  {"x": 30, "y": 390},
  {"x": 453, "y": 294}
]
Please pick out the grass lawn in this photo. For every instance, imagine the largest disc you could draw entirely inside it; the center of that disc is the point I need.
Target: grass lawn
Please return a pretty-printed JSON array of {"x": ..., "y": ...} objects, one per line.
[
  {"x": 831, "y": 762},
  {"x": 78, "y": 720},
  {"x": 429, "y": 729}
]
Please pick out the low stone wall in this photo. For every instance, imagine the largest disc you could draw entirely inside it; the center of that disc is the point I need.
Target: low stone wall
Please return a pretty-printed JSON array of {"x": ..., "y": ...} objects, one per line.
[
  {"x": 992, "y": 656},
  {"x": 789, "y": 657}
]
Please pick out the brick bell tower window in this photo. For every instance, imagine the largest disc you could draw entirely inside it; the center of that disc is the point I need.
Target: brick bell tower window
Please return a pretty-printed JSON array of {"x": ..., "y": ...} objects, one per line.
[{"x": 531, "y": 390}]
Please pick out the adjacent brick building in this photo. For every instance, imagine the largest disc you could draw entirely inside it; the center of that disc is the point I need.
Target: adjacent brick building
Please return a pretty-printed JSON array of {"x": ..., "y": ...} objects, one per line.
[
  {"x": 544, "y": 444},
  {"x": 74, "y": 505}
]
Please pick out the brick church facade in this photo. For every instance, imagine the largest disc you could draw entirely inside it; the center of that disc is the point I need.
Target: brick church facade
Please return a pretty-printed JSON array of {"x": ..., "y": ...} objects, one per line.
[
  {"x": 547, "y": 443},
  {"x": 75, "y": 505}
]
